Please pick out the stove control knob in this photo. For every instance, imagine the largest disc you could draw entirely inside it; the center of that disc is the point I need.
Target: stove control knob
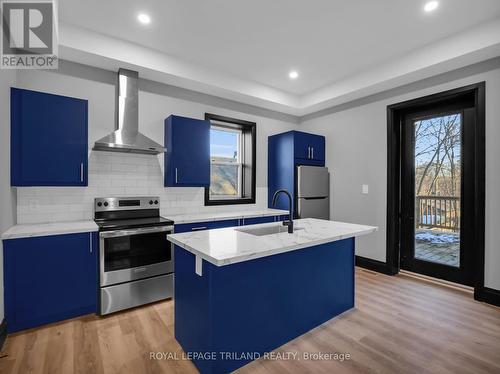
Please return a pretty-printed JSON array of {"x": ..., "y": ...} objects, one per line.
[
  {"x": 156, "y": 202},
  {"x": 150, "y": 202},
  {"x": 99, "y": 204},
  {"x": 105, "y": 203}
]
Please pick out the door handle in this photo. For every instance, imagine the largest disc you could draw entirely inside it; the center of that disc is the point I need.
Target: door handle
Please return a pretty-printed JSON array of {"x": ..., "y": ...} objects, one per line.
[
  {"x": 139, "y": 231},
  {"x": 81, "y": 171},
  {"x": 176, "y": 175}
]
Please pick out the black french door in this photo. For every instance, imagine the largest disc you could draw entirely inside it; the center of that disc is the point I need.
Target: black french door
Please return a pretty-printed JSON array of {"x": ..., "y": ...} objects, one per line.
[{"x": 437, "y": 190}]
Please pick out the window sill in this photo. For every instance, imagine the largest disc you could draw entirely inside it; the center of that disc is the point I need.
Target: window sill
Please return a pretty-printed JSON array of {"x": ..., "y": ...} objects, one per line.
[{"x": 229, "y": 201}]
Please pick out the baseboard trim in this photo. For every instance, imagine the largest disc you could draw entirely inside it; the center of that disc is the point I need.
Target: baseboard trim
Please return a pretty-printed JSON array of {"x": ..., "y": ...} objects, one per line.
[
  {"x": 375, "y": 265},
  {"x": 437, "y": 281},
  {"x": 3, "y": 333},
  {"x": 488, "y": 295}
]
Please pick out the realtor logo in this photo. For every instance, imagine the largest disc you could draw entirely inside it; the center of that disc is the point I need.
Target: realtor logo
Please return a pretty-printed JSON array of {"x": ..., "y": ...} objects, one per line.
[{"x": 28, "y": 35}]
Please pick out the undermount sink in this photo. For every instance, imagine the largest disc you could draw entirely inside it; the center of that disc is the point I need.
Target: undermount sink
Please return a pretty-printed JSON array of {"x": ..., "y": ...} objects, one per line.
[{"x": 267, "y": 230}]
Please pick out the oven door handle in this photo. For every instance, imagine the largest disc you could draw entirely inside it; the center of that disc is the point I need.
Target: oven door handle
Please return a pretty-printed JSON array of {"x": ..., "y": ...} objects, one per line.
[{"x": 142, "y": 230}]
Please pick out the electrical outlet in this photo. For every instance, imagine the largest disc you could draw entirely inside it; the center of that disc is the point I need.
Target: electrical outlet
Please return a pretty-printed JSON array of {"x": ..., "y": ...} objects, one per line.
[{"x": 364, "y": 189}]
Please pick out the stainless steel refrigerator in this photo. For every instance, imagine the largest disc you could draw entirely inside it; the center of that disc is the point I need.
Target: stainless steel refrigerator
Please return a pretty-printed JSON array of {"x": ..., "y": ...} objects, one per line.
[{"x": 313, "y": 192}]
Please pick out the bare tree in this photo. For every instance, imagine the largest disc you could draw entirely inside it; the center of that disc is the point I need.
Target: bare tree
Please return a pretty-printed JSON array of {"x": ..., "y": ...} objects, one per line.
[{"x": 437, "y": 157}]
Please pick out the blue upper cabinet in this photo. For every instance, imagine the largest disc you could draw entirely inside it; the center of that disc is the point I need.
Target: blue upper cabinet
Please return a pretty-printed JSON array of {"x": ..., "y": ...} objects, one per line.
[
  {"x": 49, "y": 279},
  {"x": 187, "y": 160},
  {"x": 285, "y": 152},
  {"x": 309, "y": 146},
  {"x": 49, "y": 144}
]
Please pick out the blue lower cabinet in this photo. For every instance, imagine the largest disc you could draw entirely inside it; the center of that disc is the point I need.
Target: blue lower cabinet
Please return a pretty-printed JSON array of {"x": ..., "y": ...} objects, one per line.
[
  {"x": 225, "y": 223},
  {"x": 49, "y": 279},
  {"x": 188, "y": 227},
  {"x": 223, "y": 315},
  {"x": 256, "y": 220}
]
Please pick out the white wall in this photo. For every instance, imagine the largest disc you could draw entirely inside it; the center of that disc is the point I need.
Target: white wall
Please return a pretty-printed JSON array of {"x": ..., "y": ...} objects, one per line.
[
  {"x": 127, "y": 174},
  {"x": 7, "y": 194},
  {"x": 357, "y": 154}
]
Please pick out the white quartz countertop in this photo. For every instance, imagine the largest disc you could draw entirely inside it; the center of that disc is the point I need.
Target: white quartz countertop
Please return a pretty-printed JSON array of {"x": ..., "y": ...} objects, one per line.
[
  {"x": 230, "y": 245},
  {"x": 45, "y": 229},
  {"x": 220, "y": 216},
  {"x": 58, "y": 228}
]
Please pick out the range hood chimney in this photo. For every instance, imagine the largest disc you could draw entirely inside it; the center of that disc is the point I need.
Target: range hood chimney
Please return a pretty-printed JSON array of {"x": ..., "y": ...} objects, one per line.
[{"x": 126, "y": 137}]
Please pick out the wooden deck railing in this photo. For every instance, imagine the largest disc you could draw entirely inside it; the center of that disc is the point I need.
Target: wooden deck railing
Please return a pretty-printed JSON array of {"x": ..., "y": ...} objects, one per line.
[{"x": 438, "y": 211}]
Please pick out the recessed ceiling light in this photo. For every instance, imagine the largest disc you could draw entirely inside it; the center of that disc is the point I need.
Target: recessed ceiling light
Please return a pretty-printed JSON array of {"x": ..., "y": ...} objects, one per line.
[
  {"x": 293, "y": 74},
  {"x": 144, "y": 18},
  {"x": 430, "y": 6}
]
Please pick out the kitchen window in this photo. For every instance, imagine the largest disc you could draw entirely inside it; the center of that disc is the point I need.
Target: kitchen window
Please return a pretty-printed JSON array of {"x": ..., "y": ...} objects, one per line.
[{"x": 232, "y": 161}]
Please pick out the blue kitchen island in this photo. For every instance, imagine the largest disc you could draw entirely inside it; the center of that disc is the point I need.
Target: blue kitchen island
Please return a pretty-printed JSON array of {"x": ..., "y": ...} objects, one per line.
[{"x": 244, "y": 291}]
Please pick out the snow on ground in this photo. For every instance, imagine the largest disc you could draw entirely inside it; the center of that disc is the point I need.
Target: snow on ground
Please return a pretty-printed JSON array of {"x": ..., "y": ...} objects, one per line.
[{"x": 437, "y": 238}]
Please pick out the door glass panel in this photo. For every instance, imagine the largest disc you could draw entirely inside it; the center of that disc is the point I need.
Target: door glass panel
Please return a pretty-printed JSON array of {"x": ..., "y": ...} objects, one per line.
[
  {"x": 127, "y": 252},
  {"x": 437, "y": 189}
]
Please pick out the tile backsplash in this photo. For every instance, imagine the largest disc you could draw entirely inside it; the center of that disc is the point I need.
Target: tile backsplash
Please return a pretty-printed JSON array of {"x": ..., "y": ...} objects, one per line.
[{"x": 116, "y": 174}]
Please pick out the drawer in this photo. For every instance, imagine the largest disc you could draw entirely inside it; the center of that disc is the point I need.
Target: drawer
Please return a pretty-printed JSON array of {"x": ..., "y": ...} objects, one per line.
[
  {"x": 188, "y": 227},
  {"x": 256, "y": 220}
]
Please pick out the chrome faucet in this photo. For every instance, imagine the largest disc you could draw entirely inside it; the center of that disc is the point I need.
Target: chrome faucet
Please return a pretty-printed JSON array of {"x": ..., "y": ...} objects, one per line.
[{"x": 288, "y": 223}]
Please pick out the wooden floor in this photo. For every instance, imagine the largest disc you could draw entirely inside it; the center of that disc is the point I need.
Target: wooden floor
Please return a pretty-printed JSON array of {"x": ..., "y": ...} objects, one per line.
[{"x": 399, "y": 325}]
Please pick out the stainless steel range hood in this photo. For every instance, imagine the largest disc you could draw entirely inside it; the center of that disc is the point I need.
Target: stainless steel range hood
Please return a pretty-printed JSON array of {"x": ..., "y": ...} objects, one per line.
[{"x": 126, "y": 137}]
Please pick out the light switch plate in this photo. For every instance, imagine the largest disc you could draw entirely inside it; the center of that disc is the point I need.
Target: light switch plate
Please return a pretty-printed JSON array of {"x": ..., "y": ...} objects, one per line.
[{"x": 364, "y": 189}]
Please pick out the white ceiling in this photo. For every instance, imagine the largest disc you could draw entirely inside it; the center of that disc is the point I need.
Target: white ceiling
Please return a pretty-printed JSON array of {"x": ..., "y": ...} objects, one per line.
[{"x": 256, "y": 43}]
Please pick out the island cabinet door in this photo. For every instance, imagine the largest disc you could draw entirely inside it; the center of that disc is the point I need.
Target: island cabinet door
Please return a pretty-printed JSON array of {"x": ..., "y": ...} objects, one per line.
[
  {"x": 187, "y": 160},
  {"x": 259, "y": 304},
  {"x": 49, "y": 145},
  {"x": 49, "y": 279}
]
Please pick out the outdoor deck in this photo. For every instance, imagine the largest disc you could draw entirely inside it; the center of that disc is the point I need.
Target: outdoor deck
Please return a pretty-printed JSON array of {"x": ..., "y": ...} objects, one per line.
[
  {"x": 438, "y": 246},
  {"x": 437, "y": 236}
]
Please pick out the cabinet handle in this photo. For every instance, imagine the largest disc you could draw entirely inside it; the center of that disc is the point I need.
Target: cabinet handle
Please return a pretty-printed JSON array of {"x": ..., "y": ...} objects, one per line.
[
  {"x": 81, "y": 172},
  {"x": 308, "y": 152},
  {"x": 90, "y": 243},
  {"x": 199, "y": 228},
  {"x": 312, "y": 153},
  {"x": 176, "y": 175}
]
